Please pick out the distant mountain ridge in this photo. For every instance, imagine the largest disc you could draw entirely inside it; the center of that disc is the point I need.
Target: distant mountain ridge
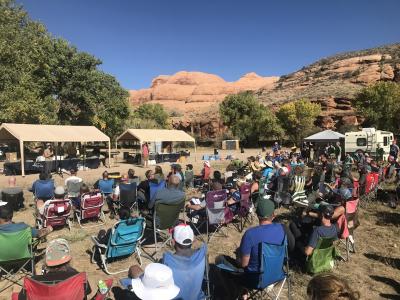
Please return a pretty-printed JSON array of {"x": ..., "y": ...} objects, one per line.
[{"x": 193, "y": 97}]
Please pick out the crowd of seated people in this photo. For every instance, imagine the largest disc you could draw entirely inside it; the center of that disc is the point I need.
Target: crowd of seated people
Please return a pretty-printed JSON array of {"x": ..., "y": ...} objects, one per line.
[{"x": 319, "y": 189}]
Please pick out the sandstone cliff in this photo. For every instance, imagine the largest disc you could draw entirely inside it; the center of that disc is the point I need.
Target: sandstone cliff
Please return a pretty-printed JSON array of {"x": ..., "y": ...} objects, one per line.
[{"x": 192, "y": 98}]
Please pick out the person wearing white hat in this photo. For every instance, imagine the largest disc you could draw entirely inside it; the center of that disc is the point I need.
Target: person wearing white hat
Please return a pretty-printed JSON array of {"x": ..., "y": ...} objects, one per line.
[
  {"x": 157, "y": 283},
  {"x": 183, "y": 237}
]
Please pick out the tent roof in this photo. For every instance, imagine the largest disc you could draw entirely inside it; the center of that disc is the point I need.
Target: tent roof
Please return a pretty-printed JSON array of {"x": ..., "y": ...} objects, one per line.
[
  {"x": 51, "y": 133},
  {"x": 324, "y": 136},
  {"x": 156, "y": 135}
]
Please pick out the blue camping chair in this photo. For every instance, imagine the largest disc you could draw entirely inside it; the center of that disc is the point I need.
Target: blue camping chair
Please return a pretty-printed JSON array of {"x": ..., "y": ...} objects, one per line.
[
  {"x": 188, "y": 273},
  {"x": 155, "y": 187},
  {"x": 125, "y": 239},
  {"x": 43, "y": 189},
  {"x": 272, "y": 275}
]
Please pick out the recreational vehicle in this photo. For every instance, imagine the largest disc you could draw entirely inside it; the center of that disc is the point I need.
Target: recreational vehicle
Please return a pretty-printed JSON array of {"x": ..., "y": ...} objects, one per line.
[{"x": 368, "y": 140}]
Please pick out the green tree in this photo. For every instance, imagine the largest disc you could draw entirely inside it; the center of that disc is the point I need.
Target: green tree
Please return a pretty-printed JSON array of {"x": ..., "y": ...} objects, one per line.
[
  {"x": 46, "y": 80},
  {"x": 380, "y": 105},
  {"x": 297, "y": 118},
  {"x": 248, "y": 119},
  {"x": 154, "y": 112}
]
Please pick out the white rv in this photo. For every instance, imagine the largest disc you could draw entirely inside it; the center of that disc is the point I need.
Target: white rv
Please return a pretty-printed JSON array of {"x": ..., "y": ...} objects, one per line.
[{"x": 368, "y": 140}]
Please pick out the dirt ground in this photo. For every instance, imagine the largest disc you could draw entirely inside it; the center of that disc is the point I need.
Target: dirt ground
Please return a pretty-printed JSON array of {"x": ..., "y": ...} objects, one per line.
[{"x": 373, "y": 269}]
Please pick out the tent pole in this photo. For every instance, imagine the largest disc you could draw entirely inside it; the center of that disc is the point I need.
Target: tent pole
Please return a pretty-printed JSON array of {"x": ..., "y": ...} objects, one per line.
[
  {"x": 109, "y": 153},
  {"x": 21, "y": 149}
]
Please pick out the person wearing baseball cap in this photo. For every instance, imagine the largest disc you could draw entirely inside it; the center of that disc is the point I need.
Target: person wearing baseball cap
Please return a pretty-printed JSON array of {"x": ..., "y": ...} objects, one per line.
[
  {"x": 57, "y": 265},
  {"x": 325, "y": 230},
  {"x": 183, "y": 237},
  {"x": 248, "y": 259}
]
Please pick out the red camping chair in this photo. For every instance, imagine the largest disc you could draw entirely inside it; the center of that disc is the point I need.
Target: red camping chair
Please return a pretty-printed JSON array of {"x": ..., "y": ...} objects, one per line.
[
  {"x": 56, "y": 213},
  {"x": 244, "y": 206},
  {"x": 91, "y": 208},
  {"x": 72, "y": 288}
]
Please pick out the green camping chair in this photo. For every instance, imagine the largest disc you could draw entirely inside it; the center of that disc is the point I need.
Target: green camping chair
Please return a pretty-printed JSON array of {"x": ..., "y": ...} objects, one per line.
[
  {"x": 323, "y": 257},
  {"x": 16, "y": 257},
  {"x": 165, "y": 217}
]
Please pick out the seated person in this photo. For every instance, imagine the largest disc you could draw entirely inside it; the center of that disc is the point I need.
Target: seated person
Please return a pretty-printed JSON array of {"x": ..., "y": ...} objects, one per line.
[
  {"x": 106, "y": 188},
  {"x": 206, "y": 171},
  {"x": 328, "y": 286},
  {"x": 176, "y": 170},
  {"x": 267, "y": 172},
  {"x": 297, "y": 186},
  {"x": 158, "y": 173},
  {"x": 7, "y": 225},
  {"x": 156, "y": 282},
  {"x": 83, "y": 190},
  {"x": 217, "y": 180},
  {"x": 73, "y": 185},
  {"x": 248, "y": 259},
  {"x": 325, "y": 230},
  {"x": 57, "y": 268},
  {"x": 189, "y": 176},
  {"x": 256, "y": 182},
  {"x": 144, "y": 189},
  {"x": 171, "y": 194},
  {"x": 43, "y": 189},
  {"x": 59, "y": 194},
  {"x": 132, "y": 177},
  {"x": 187, "y": 264},
  {"x": 124, "y": 180}
]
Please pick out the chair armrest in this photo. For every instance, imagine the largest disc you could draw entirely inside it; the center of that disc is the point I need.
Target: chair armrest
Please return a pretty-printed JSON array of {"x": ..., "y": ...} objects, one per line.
[{"x": 97, "y": 243}]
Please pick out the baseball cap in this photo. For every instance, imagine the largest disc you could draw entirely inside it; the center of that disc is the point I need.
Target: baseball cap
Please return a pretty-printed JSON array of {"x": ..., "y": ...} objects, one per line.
[
  {"x": 183, "y": 235},
  {"x": 57, "y": 253},
  {"x": 265, "y": 208},
  {"x": 59, "y": 190},
  {"x": 327, "y": 211}
]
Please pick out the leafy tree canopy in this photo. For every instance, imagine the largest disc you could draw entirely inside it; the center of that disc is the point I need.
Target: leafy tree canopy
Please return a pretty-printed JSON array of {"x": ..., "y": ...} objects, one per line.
[
  {"x": 46, "y": 80},
  {"x": 297, "y": 118},
  {"x": 154, "y": 114},
  {"x": 248, "y": 119},
  {"x": 380, "y": 105}
]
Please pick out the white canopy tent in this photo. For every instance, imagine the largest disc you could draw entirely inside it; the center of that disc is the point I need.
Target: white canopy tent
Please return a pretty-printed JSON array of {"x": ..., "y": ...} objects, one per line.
[
  {"x": 325, "y": 136},
  {"x": 156, "y": 135},
  {"x": 50, "y": 133}
]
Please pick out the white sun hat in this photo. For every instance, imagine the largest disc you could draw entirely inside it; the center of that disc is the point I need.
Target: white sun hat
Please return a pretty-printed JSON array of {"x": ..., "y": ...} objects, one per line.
[{"x": 157, "y": 283}]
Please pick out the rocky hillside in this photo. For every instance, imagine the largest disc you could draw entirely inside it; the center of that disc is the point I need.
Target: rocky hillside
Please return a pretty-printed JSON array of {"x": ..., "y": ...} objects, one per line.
[
  {"x": 334, "y": 81},
  {"x": 192, "y": 98}
]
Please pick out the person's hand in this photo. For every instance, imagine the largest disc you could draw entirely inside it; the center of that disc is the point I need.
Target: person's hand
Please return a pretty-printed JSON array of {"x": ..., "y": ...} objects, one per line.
[{"x": 135, "y": 272}]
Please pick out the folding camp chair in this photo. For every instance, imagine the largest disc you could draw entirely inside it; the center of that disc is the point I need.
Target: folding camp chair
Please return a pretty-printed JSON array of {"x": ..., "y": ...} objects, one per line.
[
  {"x": 347, "y": 225},
  {"x": 165, "y": 217},
  {"x": 244, "y": 206},
  {"x": 155, "y": 187},
  {"x": 91, "y": 207},
  {"x": 44, "y": 189},
  {"x": 56, "y": 212},
  {"x": 125, "y": 239},
  {"x": 282, "y": 194},
  {"x": 72, "y": 288},
  {"x": 370, "y": 189},
  {"x": 189, "y": 273},
  {"x": 16, "y": 256},
  {"x": 14, "y": 201},
  {"x": 218, "y": 214},
  {"x": 128, "y": 196},
  {"x": 323, "y": 257},
  {"x": 274, "y": 271}
]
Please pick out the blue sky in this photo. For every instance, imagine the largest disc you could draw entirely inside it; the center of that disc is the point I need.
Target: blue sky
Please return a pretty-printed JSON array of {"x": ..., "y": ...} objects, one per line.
[{"x": 138, "y": 40}]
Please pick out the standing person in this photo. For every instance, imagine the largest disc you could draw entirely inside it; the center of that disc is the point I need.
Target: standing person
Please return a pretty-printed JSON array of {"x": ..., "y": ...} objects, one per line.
[
  {"x": 48, "y": 154},
  {"x": 338, "y": 152},
  {"x": 394, "y": 149},
  {"x": 379, "y": 153},
  {"x": 145, "y": 154},
  {"x": 276, "y": 147}
]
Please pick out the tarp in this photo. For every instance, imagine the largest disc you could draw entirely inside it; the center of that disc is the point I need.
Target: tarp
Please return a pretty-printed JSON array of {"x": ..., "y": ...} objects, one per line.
[
  {"x": 155, "y": 135},
  {"x": 51, "y": 133},
  {"x": 324, "y": 136}
]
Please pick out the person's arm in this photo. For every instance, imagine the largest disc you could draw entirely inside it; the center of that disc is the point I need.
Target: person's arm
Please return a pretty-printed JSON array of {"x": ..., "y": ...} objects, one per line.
[
  {"x": 245, "y": 249},
  {"x": 308, "y": 250}
]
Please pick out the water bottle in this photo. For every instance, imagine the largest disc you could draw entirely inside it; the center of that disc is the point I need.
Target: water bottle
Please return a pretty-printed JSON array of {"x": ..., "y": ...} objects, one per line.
[{"x": 102, "y": 287}]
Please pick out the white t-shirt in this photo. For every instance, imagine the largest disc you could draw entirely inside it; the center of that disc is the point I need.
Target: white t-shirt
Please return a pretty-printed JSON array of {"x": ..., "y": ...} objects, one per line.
[{"x": 73, "y": 178}]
